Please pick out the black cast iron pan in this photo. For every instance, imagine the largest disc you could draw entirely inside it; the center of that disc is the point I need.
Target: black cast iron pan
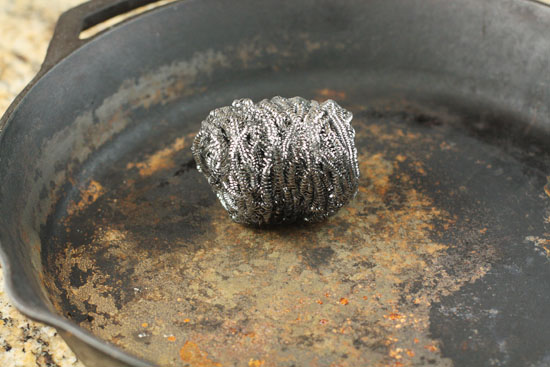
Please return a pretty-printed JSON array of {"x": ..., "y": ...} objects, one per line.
[{"x": 110, "y": 234}]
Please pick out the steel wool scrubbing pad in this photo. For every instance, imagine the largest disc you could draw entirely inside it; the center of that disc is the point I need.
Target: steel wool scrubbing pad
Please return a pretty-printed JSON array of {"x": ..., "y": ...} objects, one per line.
[{"x": 279, "y": 160}]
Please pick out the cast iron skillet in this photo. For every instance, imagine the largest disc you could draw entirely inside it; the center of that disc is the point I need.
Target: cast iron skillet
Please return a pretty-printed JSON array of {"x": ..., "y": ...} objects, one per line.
[{"x": 110, "y": 234}]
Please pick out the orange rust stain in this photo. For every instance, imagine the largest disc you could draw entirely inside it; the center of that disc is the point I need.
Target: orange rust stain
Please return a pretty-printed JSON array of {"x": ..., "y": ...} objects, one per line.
[
  {"x": 545, "y": 245},
  {"x": 331, "y": 93},
  {"x": 363, "y": 189},
  {"x": 415, "y": 340},
  {"x": 171, "y": 338},
  {"x": 431, "y": 348},
  {"x": 410, "y": 353},
  {"x": 419, "y": 168},
  {"x": 547, "y": 189},
  {"x": 186, "y": 320},
  {"x": 379, "y": 172},
  {"x": 255, "y": 363},
  {"x": 400, "y": 158},
  {"x": 319, "y": 302},
  {"x": 352, "y": 211},
  {"x": 25, "y": 236},
  {"x": 191, "y": 353},
  {"x": 393, "y": 316},
  {"x": 395, "y": 353},
  {"x": 87, "y": 197},
  {"x": 374, "y": 129},
  {"x": 483, "y": 230},
  {"x": 344, "y": 301},
  {"x": 159, "y": 160},
  {"x": 445, "y": 146},
  {"x": 144, "y": 324}
]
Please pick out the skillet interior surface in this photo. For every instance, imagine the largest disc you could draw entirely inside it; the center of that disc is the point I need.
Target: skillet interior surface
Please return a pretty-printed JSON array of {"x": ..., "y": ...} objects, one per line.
[
  {"x": 441, "y": 250},
  {"x": 442, "y": 258}
]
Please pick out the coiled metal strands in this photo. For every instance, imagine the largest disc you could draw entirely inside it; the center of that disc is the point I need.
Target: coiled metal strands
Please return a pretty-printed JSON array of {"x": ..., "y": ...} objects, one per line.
[{"x": 279, "y": 160}]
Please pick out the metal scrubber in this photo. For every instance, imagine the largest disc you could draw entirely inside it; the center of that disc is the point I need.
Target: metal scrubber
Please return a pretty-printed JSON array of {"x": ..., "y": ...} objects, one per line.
[{"x": 280, "y": 160}]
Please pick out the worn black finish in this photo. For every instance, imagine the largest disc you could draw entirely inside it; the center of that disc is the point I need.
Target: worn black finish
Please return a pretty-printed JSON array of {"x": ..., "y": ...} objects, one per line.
[{"x": 481, "y": 69}]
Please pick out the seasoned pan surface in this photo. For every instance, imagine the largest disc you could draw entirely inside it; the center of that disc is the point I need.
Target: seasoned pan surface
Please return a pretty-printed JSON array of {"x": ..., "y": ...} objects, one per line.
[{"x": 422, "y": 267}]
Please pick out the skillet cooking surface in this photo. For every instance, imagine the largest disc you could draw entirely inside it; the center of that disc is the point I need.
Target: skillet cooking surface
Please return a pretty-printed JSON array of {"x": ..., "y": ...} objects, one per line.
[{"x": 434, "y": 258}]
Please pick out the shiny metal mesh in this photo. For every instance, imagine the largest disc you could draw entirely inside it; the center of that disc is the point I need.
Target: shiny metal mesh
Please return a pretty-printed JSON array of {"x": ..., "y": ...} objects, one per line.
[{"x": 279, "y": 160}]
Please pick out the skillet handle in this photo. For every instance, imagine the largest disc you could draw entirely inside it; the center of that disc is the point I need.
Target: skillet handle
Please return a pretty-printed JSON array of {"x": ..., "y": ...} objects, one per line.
[
  {"x": 66, "y": 36},
  {"x": 67, "y": 30}
]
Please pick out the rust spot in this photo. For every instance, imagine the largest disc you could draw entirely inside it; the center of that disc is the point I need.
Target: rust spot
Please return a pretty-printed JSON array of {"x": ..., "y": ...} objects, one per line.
[
  {"x": 401, "y": 158},
  {"x": 380, "y": 172},
  {"x": 396, "y": 353},
  {"x": 191, "y": 354},
  {"x": 88, "y": 196},
  {"x": 541, "y": 243},
  {"x": 331, "y": 93},
  {"x": 547, "y": 187},
  {"x": 431, "y": 348},
  {"x": 419, "y": 168},
  {"x": 171, "y": 338},
  {"x": 25, "y": 237},
  {"x": 255, "y": 363},
  {"x": 159, "y": 160},
  {"x": 446, "y": 146},
  {"x": 344, "y": 301},
  {"x": 393, "y": 316}
]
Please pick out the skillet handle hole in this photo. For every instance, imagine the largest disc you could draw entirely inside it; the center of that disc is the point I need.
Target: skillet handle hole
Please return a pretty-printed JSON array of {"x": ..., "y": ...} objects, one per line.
[{"x": 111, "y": 15}]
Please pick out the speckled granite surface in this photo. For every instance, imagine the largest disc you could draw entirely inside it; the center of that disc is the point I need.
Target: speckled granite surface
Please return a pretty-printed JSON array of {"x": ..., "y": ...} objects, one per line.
[{"x": 26, "y": 27}]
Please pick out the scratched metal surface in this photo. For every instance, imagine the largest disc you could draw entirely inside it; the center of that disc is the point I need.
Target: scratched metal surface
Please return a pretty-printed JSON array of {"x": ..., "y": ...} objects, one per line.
[{"x": 434, "y": 262}]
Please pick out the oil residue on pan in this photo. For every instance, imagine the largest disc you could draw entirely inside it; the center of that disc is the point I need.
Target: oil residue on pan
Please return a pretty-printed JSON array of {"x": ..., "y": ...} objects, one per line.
[{"x": 148, "y": 260}]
